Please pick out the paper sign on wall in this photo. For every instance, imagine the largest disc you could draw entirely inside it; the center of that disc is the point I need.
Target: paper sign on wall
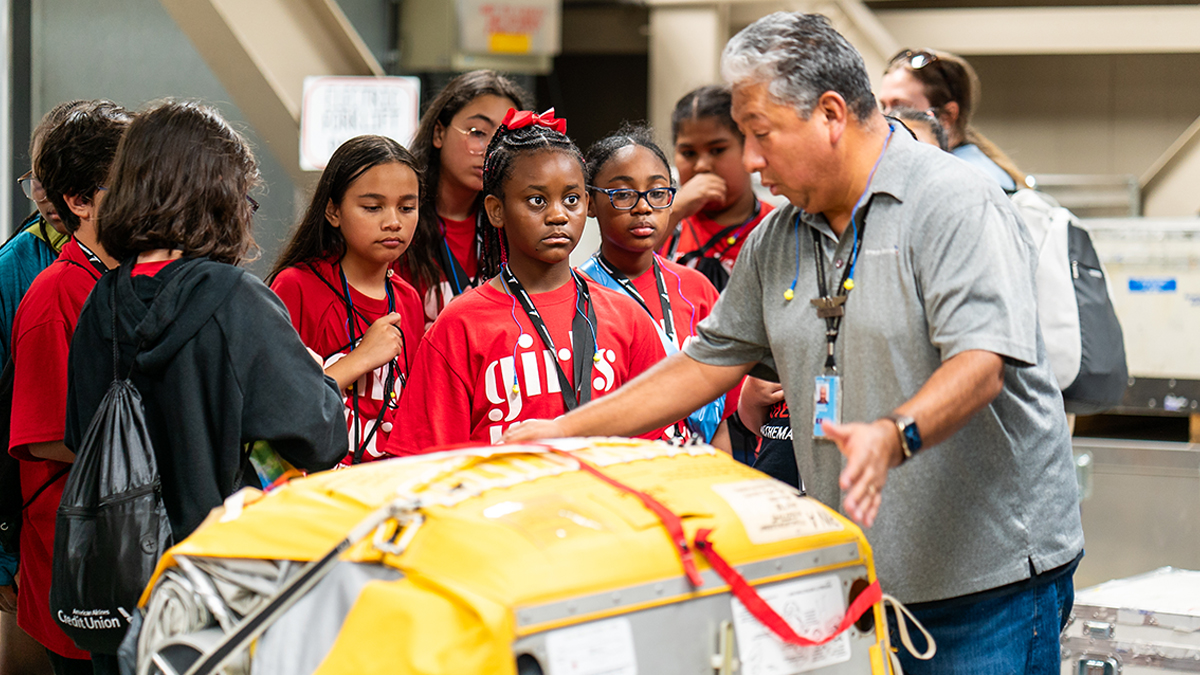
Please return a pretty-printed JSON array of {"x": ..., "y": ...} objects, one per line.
[{"x": 336, "y": 109}]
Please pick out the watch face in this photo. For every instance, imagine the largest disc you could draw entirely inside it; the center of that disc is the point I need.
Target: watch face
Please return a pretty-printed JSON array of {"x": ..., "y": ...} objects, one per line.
[{"x": 912, "y": 437}]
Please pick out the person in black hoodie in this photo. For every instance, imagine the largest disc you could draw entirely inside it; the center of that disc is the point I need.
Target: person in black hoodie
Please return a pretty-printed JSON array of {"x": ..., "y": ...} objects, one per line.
[{"x": 210, "y": 347}]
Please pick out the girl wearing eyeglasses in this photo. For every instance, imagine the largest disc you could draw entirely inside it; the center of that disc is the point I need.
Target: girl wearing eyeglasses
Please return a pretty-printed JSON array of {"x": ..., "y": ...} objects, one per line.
[
  {"x": 946, "y": 85},
  {"x": 629, "y": 179},
  {"x": 449, "y": 254}
]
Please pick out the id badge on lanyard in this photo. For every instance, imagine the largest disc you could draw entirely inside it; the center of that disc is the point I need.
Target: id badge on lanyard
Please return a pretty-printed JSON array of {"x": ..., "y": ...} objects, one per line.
[
  {"x": 830, "y": 304},
  {"x": 827, "y": 402}
]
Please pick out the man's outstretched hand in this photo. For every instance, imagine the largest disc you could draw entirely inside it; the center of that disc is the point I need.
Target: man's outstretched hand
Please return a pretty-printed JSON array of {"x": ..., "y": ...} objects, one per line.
[
  {"x": 870, "y": 450},
  {"x": 533, "y": 430}
]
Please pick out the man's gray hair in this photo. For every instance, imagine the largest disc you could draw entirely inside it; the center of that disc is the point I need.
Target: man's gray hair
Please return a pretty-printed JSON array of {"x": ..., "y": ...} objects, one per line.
[{"x": 799, "y": 57}]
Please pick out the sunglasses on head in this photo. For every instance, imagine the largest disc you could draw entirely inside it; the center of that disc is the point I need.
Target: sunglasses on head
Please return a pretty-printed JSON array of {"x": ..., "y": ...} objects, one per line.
[{"x": 916, "y": 59}]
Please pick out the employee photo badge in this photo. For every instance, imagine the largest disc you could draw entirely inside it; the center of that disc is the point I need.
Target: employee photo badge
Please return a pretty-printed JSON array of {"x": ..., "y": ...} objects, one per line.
[{"x": 827, "y": 402}]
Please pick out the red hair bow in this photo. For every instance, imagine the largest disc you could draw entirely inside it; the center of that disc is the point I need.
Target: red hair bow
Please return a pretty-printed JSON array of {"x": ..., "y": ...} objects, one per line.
[{"x": 519, "y": 119}]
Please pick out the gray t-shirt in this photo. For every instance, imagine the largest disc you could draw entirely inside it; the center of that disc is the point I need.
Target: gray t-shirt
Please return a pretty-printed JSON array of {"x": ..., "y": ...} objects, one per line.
[{"x": 946, "y": 266}]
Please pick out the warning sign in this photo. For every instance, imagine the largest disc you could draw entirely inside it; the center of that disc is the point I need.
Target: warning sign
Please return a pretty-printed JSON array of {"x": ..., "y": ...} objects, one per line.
[{"x": 510, "y": 27}]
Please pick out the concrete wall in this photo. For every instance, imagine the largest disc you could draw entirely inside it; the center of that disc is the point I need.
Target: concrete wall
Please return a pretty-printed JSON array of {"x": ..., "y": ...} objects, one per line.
[
  {"x": 1101, "y": 114},
  {"x": 132, "y": 52}
]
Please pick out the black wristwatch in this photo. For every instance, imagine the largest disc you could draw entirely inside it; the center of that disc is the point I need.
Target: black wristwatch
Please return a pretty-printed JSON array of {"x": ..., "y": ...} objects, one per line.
[{"x": 910, "y": 436}]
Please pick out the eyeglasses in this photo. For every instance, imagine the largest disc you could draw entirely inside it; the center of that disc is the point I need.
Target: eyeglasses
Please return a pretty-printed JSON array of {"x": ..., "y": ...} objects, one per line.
[
  {"x": 476, "y": 139},
  {"x": 624, "y": 199},
  {"x": 31, "y": 186},
  {"x": 253, "y": 204},
  {"x": 916, "y": 59}
]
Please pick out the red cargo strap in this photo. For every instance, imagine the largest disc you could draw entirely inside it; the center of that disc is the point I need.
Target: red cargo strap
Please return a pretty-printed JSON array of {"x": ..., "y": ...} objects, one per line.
[
  {"x": 672, "y": 522},
  {"x": 767, "y": 616}
]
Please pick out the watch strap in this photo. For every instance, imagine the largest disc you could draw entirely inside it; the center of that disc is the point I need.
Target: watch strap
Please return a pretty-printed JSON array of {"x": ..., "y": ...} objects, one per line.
[{"x": 903, "y": 422}]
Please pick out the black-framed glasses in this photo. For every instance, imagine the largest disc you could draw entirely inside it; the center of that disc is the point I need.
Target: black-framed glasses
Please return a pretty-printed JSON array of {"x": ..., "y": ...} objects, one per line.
[
  {"x": 915, "y": 58},
  {"x": 253, "y": 204},
  {"x": 624, "y": 199}
]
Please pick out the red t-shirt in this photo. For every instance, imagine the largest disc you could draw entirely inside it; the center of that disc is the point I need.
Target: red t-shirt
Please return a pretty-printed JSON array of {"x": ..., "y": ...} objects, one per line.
[
  {"x": 461, "y": 385},
  {"x": 319, "y": 314},
  {"x": 42, "y": 331},
  {"x": 696, "y": 230},
  {"x": 149, "y": 269},
  {"x": 460, "y": 236}
]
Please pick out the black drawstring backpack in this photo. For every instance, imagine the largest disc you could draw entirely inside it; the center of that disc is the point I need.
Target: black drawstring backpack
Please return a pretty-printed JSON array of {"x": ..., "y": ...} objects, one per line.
[{"x": 112, "y": 526}]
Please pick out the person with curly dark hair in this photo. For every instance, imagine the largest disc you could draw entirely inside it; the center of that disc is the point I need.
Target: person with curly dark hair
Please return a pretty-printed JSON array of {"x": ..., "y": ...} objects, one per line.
[{"x": 72, "y": 166}]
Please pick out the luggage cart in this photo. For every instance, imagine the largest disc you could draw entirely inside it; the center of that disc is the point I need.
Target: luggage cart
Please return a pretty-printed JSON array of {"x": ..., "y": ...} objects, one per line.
[{"x": 577, "y": 557}]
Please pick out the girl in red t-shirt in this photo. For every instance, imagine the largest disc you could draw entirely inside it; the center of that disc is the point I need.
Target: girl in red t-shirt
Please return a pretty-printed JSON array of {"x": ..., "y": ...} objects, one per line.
[
  {"x": 449, "y": 253},
  {"x": 631, "y": 195},
  {"x": 715, "y": 208},
  {"x": 336, "y": 278},
  {"x": 537, "y": 339}
]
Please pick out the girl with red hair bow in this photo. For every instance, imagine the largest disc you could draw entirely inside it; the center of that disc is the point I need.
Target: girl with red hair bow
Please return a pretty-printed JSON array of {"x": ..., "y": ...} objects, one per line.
[{"x": 537, "y": 339}]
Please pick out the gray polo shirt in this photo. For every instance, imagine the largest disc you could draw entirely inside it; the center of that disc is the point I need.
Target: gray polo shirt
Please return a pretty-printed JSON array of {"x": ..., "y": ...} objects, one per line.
[{"x": 946, "y": 266}]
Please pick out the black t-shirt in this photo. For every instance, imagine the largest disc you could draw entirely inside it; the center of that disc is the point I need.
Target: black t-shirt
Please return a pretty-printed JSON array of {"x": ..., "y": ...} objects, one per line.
[{"x": 777, "y": 457}]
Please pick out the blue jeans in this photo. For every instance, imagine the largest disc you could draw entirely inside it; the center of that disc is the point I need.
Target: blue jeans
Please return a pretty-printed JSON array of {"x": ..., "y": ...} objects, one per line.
[{"x": 1015, "y": 634}]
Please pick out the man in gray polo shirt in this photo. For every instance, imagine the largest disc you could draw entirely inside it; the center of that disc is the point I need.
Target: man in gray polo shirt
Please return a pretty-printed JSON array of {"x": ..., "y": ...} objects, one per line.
[{"x": 927, "y": 299}]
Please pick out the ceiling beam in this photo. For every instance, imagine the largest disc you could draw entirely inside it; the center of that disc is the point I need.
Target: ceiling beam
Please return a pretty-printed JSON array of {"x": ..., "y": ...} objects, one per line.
[
  {"x": 261, "y": 51},
  {"x": 1048, "y": 30}
]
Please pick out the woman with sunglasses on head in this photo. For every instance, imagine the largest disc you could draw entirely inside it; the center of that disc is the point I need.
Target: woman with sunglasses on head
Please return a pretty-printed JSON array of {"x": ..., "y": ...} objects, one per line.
[
  {"x": 449, "y": 254},
  {"x": 947, "y": 85}
]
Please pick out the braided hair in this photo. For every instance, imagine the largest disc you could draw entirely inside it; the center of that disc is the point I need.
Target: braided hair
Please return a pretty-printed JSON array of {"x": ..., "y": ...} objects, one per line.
[
  {"x": 714, "y": 101},
  {"x": 506, "y": 146},
  {"x": 628, "y": 135}
]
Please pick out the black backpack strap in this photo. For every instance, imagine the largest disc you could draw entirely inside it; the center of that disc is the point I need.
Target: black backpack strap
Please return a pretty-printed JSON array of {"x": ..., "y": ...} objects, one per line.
[
  {"x": 95, "y": 273},
  {"x": 49, "y": 481}
]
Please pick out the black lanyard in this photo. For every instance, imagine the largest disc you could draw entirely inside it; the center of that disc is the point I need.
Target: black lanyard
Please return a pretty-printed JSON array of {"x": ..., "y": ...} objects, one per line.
[
  {"x": 833, "y": 308},
  {"x": 583, "y": 344},
  {"x": 664, "y": 299},
  {"x": 93, "y": 258},
  {"x": 393, "y": 373},
  {"x": 451, "y": 267}
]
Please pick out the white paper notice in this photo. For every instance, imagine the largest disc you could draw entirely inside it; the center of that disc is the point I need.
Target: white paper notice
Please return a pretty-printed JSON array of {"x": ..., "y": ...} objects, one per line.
[
  {"x": 773, "y": 511},
  {"x": 597, "y": 648},
  {"x": 813, "y": 608}
]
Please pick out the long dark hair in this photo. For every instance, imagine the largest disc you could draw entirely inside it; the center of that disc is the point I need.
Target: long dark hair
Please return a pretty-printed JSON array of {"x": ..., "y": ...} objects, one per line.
[
  {"x": 949, "y": 77},
  {"x": 506, "y": 146},
  {"x": 180, "y": 181},
  {"x": 314, "y": 237},
  {"x": 420, "y": 261}
]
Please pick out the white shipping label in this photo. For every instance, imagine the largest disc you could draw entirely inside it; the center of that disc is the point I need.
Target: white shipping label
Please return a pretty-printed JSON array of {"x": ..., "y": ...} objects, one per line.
[
  {"x": 813, "y": 607},
  {"x": 597, "y": 648},
  {"x": 773, "y": 511}
]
